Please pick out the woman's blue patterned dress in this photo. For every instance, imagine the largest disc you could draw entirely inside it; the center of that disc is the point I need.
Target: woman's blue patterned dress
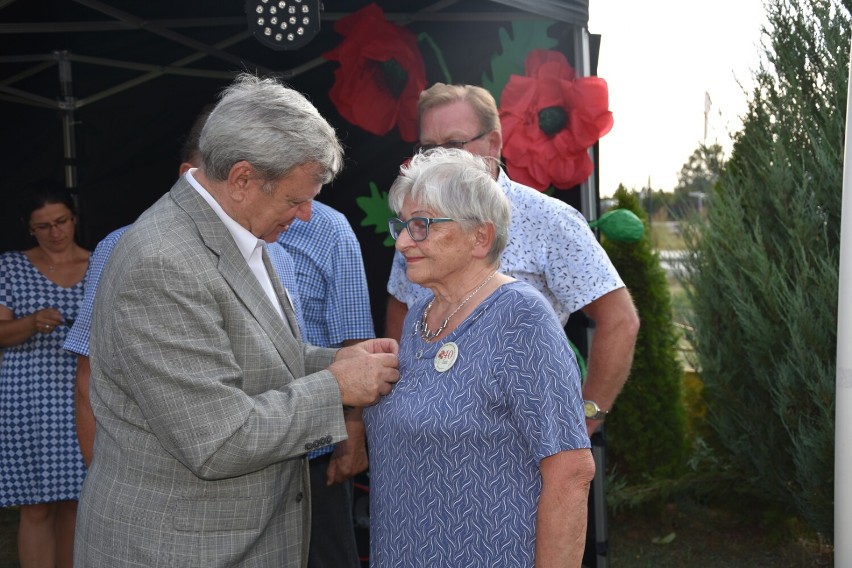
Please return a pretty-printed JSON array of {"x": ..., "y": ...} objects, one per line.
[
  {"x": 40, "y": 459},
  {"x": 455, "y": 447}
]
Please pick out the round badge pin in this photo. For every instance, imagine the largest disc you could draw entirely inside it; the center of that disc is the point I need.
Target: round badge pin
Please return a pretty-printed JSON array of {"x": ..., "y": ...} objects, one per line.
[{"x": 446, "y": 357}]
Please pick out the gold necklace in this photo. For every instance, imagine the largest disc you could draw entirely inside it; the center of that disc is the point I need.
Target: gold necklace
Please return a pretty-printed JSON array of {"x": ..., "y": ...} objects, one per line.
[{"x": 422, "y": 328}]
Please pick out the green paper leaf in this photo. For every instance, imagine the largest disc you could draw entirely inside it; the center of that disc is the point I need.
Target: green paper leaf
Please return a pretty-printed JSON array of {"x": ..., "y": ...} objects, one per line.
[
  {"x": 439, "y": 56},
  {"x": 377, "y": 212},
  {"x": 526, "y": 36}
]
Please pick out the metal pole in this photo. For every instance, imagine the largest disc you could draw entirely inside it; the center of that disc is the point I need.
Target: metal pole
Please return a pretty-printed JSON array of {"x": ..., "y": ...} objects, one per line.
[
  {"x": 598, "y": 489},
  {"x": 843, "y": 402},
  {"x": 583, "y": 67},
  {"x": 67, "y": 105},
  {"x": 589, "y": 208}
]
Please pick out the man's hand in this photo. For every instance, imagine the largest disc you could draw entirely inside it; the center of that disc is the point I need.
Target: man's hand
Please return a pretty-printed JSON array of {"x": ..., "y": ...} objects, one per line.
[
  {"x": 366, "y": 371},
  {"x": 378, "y": 345},
  {"x": 350, "y": 456}
]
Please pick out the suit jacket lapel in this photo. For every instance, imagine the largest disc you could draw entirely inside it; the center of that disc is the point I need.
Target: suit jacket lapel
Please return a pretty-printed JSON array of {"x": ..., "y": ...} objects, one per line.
[{"x": 236, "y": 272}]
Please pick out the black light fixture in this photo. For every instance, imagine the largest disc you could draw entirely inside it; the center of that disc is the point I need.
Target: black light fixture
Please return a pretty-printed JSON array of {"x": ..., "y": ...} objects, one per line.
[{"x": 283, "y": 24}]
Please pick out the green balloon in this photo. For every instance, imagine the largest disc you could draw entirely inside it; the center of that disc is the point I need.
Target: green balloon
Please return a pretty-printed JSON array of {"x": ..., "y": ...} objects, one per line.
[{"x": 620, "y": 225}]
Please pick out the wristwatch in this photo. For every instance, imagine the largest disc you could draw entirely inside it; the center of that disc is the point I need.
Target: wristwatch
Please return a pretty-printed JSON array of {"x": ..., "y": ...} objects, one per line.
[{"x": 593, "y": 411}]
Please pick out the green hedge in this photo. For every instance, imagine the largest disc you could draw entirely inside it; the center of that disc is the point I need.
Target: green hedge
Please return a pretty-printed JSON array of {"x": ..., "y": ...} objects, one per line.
[{"x": 646, "y": 432}]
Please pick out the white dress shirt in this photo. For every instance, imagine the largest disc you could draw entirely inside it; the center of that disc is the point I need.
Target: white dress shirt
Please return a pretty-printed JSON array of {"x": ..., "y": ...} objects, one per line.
[{"x": 250, "y": 246}]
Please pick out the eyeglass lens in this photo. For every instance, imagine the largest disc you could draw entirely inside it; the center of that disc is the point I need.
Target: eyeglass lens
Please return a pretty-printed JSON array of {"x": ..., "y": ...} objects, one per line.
[
  {"x": 449, "y": 144},
  {"x": 61, "y": 222},
  {"x": 418, "y": 228}
]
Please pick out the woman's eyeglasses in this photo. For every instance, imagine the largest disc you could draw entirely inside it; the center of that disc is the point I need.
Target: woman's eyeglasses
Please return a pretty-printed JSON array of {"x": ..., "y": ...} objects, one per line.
[
  {"x": 46, "y": 227},
  {"x": 418, "y": 227}
]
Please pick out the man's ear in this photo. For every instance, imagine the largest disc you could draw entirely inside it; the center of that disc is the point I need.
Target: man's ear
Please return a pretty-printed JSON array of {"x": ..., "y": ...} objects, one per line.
[
  {"x": 495, "y": 144},
  {"x": 241, "y": 176}
]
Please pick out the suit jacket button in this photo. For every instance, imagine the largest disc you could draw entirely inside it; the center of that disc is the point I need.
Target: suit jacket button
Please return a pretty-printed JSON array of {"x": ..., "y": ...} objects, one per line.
[{"x": 299, "y": 497}]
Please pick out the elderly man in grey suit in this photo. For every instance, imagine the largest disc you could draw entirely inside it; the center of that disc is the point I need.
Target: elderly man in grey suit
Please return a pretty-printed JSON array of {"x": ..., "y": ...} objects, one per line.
[{"x": 205, "y": 397}]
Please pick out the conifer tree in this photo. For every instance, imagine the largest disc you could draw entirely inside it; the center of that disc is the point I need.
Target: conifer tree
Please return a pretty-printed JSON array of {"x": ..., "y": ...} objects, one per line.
[
  {"x": 646, "y": 432},
  {"x": 763, "y": 267}
]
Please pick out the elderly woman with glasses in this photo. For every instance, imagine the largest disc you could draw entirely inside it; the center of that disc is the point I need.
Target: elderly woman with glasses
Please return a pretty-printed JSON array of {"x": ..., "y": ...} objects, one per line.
[
  {"x": 41, "y": 289},
  {"x": 479, "y": 456}
]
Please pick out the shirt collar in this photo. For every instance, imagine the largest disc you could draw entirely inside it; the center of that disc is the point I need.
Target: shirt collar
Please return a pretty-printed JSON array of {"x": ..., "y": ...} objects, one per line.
[
  {"x": 246, "y": 242},
  {"x": 503, "y": 180}
]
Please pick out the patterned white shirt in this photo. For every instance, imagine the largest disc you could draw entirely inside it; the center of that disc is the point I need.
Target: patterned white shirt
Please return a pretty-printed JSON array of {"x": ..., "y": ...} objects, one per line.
[{"x": 550, "y": 246}]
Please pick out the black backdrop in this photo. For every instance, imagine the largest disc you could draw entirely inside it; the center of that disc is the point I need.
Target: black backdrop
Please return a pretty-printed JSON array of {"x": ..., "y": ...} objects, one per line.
[{"x": 127, "y": 144}]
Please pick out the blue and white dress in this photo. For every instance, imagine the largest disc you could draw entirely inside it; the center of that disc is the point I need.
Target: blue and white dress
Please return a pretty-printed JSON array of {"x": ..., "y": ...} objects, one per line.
[
  {"x": 40, "y": 458},
  {"x": 454, "y": 454}
]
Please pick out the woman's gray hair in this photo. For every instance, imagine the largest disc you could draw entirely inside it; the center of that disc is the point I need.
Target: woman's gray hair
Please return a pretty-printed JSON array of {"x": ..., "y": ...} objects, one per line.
[
  {"x": 455, "y": 183},
  {"x": 272, "y": 127}
]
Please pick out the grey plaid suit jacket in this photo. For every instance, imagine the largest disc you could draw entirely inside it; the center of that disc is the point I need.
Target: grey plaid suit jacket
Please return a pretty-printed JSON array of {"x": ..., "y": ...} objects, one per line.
[{"x": 205, "y": 404}]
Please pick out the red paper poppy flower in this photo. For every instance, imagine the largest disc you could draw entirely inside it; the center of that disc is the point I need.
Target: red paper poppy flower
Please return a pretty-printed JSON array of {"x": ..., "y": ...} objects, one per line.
[
  {"x": 550, "y": 118},
  {"x": 381, "y": 74}
]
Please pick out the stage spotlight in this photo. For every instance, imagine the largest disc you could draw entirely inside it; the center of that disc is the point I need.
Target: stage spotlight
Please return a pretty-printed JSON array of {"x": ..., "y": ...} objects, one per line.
[{"x": 283, "y": 24}]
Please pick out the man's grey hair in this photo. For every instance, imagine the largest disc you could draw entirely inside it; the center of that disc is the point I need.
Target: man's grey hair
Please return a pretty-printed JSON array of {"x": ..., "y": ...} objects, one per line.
[
  {"x": 272, "y": 127},
  {"x": 458, "y": 184}
]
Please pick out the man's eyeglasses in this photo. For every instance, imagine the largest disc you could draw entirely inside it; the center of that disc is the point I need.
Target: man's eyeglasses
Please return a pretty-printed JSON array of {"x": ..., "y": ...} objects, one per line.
[
  {"x": 418, "y": 227},
  {"x": 450, "y": 144},
  {"x": 46, "y": 227}
]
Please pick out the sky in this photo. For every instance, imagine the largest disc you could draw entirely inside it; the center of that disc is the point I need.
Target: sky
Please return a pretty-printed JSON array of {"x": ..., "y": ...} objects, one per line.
[{"x": 659, "y": 58}]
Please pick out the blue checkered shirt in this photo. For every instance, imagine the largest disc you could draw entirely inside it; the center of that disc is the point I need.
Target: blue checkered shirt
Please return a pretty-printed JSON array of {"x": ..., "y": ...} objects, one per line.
[
  {"x": 284, "y": 265},
  {"x": 77, "y": 340}
]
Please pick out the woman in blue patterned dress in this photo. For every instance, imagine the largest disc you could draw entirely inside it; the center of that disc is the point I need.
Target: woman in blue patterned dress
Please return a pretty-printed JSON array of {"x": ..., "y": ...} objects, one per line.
[
  {"x": 479, "y": 456},
  {"x": 41, "y": 468}
]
